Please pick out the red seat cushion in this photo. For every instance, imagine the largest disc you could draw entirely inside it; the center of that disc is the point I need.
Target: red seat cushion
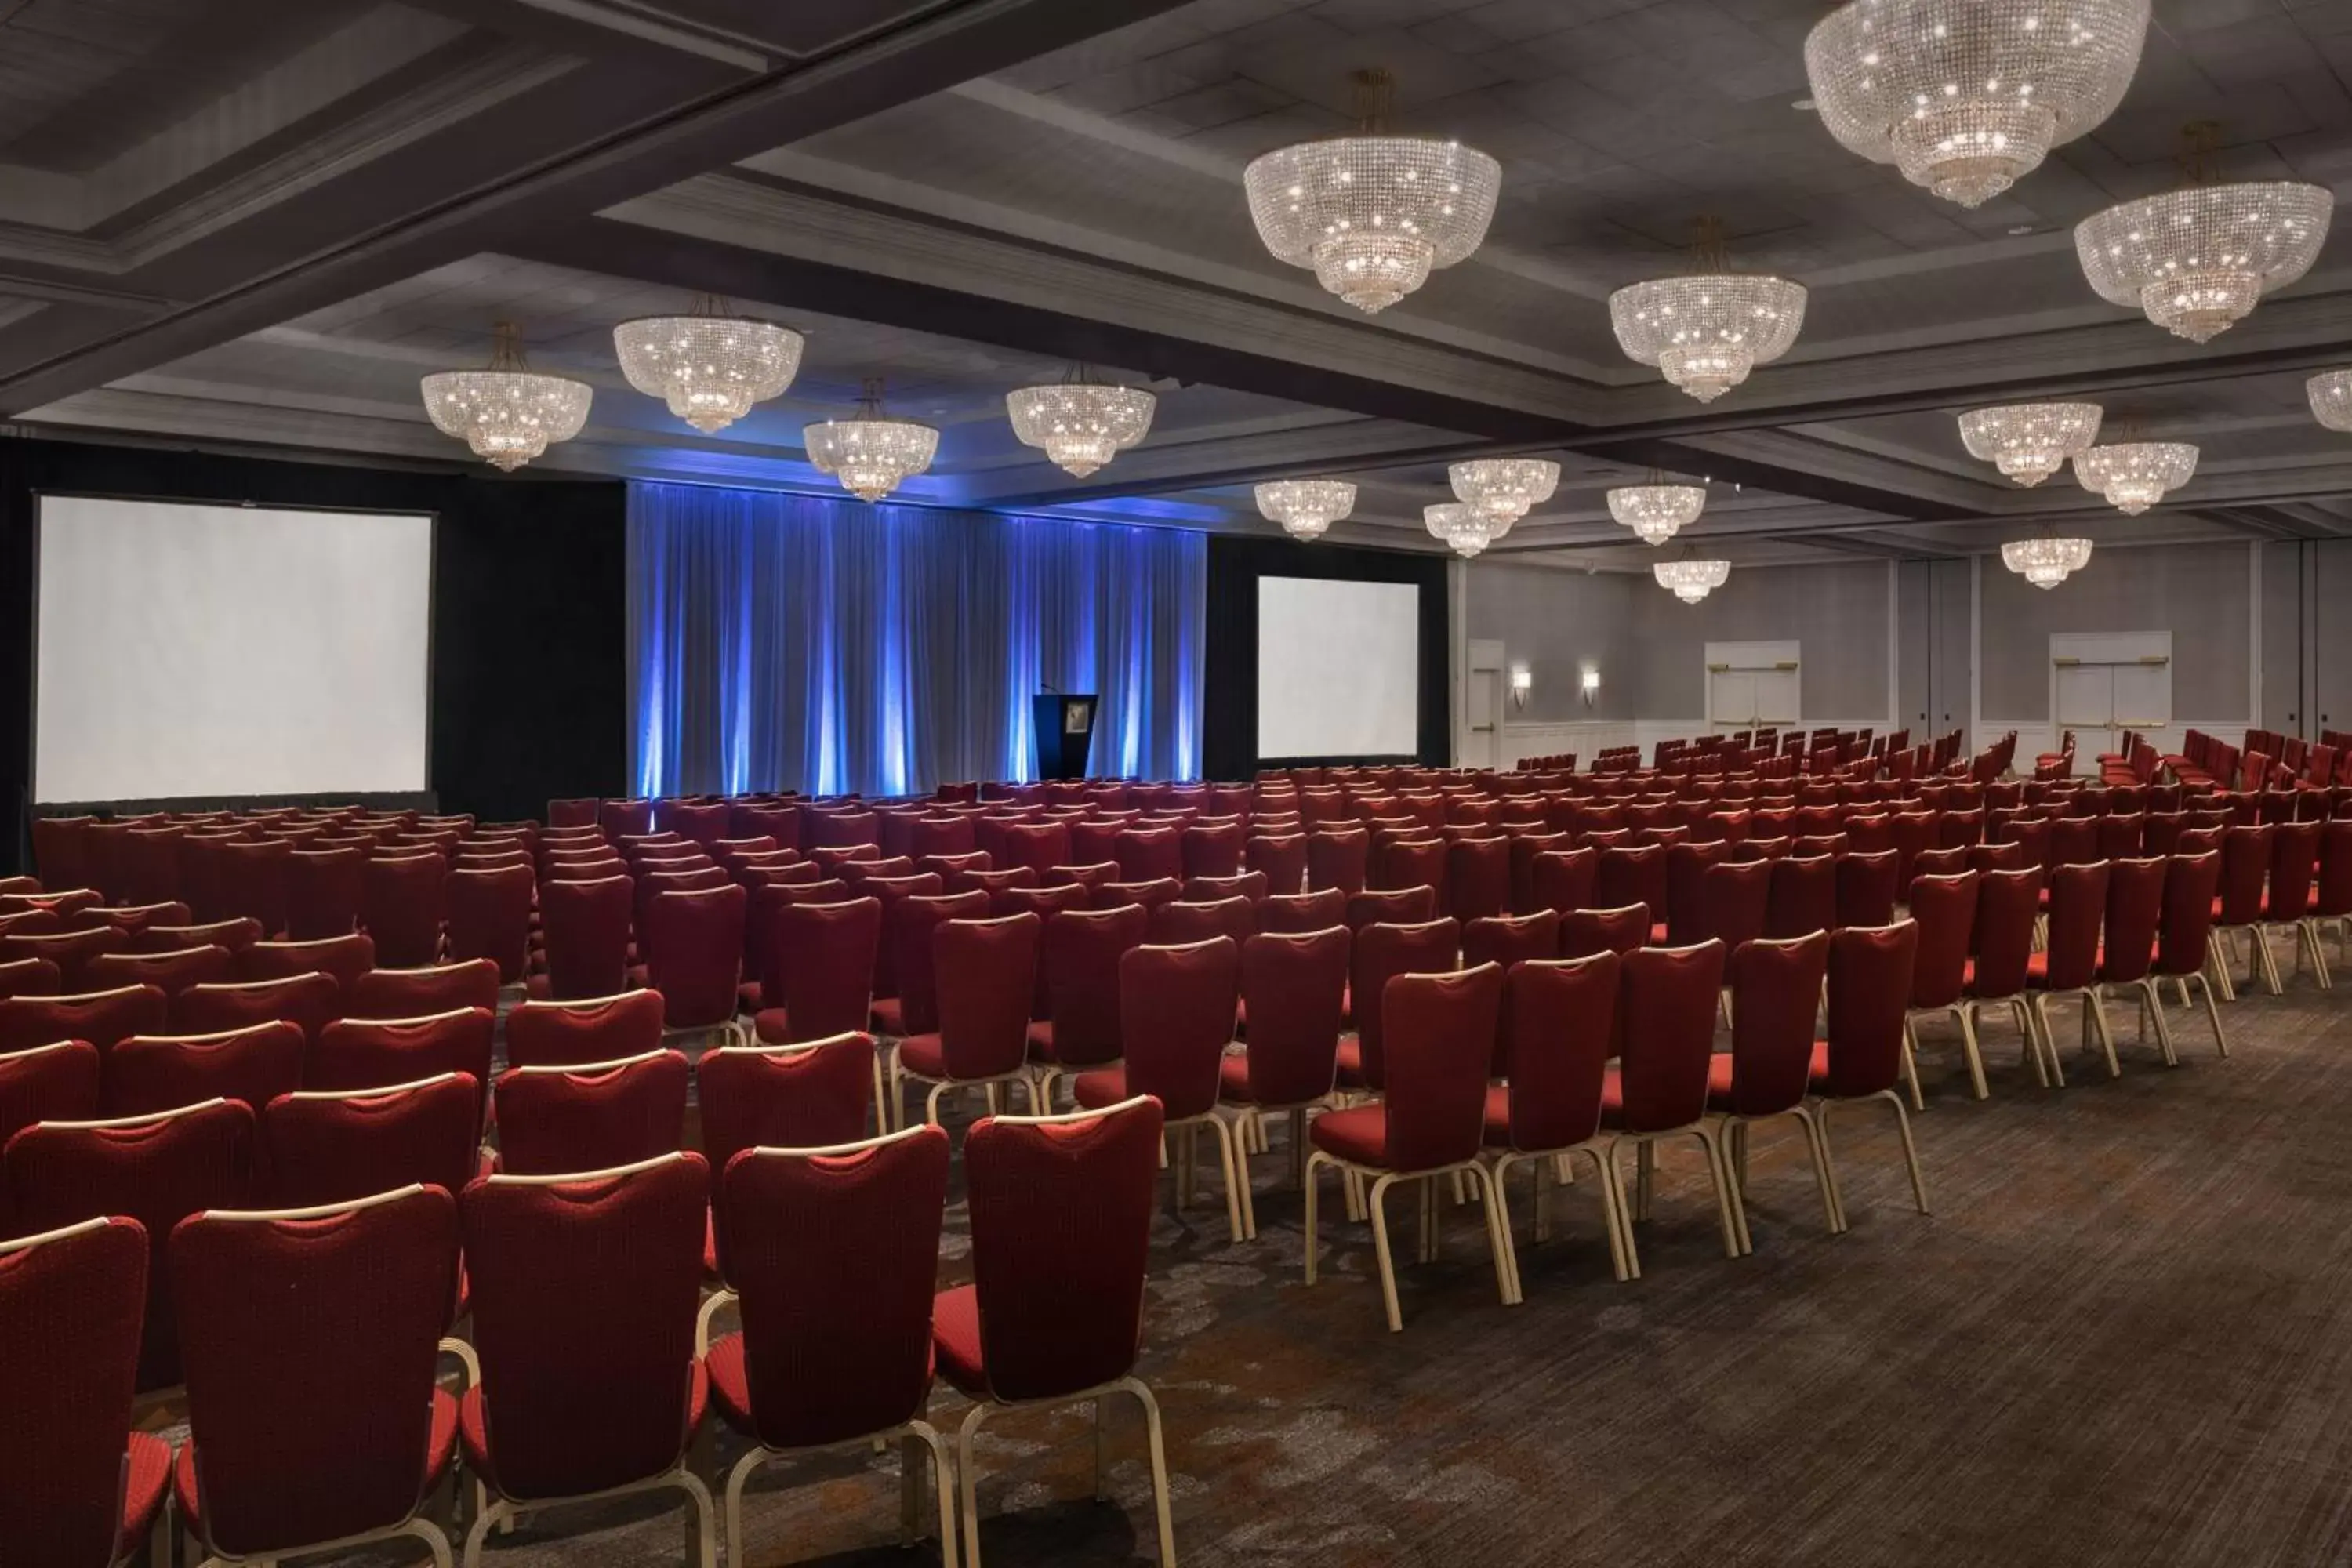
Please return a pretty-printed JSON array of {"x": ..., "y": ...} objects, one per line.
[
  {"x": 1100, "y": 1090},
  {"x": 747, "y": 996},
  {"x": 1351, "y": 1063},
  {"x": 440, "y": 1442},
  {"x": 1041, "y": 1040},
  {"x": 955, "y": 1340},
  {"x": 1359, "y": 1134},
  {"x": 1498, "y": 1116},
  {"x": 2037, "y": 970},
  {"x": 731, "y": 1381},
  {"x": 888, "y": 1017},
  {"x": 1232, "y": 1077},
  {"x": 1718, "y": 1080},
  {"x": 771, "y": 1025},
  {"x": 1820, "y": 1074},
  {"x": 148, "y": 1473},
  {"x": 922, "y": 1054},
  {"x": 1612, "y": 1099},
  {"x": 710, "y": 1245},
  {"x": 477, "y": 1452}
]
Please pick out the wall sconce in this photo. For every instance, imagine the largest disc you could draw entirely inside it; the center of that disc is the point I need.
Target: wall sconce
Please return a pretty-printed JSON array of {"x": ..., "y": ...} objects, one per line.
[
  {"x": 1591, "y": 686},
  {"x": 1523, "y": 680}
]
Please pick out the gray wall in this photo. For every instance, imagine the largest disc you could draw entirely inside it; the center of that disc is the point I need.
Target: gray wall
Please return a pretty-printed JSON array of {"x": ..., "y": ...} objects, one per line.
[
  {"x": 2196, "y": 592},
  {"x": 1915, "y": 644},
  {"x": 1951, "y": 606},
  {"x": 1838, "y": 612},
  {"x": 1555, "y": 622}
]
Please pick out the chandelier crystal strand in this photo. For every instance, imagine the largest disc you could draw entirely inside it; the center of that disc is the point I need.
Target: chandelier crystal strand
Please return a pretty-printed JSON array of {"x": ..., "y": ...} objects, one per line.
[
  {"x": 1706, "y": 331},
  {"x": 2331, "y": 398},
  {"x": 507, "y": 413},
  {"x": 873, "y": 453},
  {"x": 2030, "y": 441},
  {"x": 709, "y": 366},
  {"x": 1079, "y": 422},
  {"x": 2045, "y": 562},
  {"x": 1306, "y": 508},
  {"x": 1459, "y": 527},
  {"x": 1690, "y": 579},
  {"x": 1657, "y": 513},
  {"x": 1372, "y": 215},
  {"x": 1968, "y": 97},
  {"x": 2136, "y": 474},
  {"x": 2198, "y": 260},
  {"x": 1502, "y": 490}
]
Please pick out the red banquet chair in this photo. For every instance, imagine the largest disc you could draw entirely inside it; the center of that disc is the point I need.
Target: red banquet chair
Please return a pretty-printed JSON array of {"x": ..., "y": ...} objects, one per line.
[
  {"x": 2128, "y": 941},
  {"x": 907, "y": 925},
  {"x": 489, "y": 917},
  {"x": 83, "y": 1489},
  {"x": 234, "y": 935},
  {"x": 28, "y": 977},
  {"x": 1562, "y": 879},
  {"x": 170, "y": 973},
  {"x": 592, "y": 1029},
  {"x": 1430, "y": 1119},
  {"x": 334, "y": 1145},
  {"x": 1297, "y": 913},
  {"x": 585, "y": 929},
  {"x": 414, "y": 993},
  {"x": 589, "y": 1388},
  {"x": 323, "y": 891},
  {"x": 1080, "y": 952},
  {"x": 2008, "y": 911},
  {"x": 2187, "y": 949},
  {"x": 818, "y": 981},
  {"x": 401, "y": 903},
  {"x": 1862, "y": 1059},
  {"x": 307, "y": 1001},
  {"x": 377, "y": 1053},
  {"x": 1946, "y": 911},
  {"x": 1061, "y": 1214},
  {"x": 157, "y": 1168},
  {"x": 55, "y": 1082},
  {"x": 311, "y": 1337},
  {"x": 591, "y": 1117},
  {"x": 101, "y": 1018},
  {"x": 2069, "y": 965},
  {"x": 835, "y": 1245},
  {"x": 251, "y": 1066},
  {"x": 697, "y": 962},
  {"x": 342, "y": 958},
  {"x": 1294, "y": 987},
  {"x": 1776, "y": 988},
  {"x": 1561, "y": 1015},
  {"x": 70, "y": 950},
  {"x": 986, "y": 976},
  {"x": 1665, "y": 1022}
]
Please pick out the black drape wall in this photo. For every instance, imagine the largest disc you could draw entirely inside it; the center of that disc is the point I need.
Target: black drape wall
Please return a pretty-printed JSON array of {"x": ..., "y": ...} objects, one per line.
[{"x": 529, "y": 683}]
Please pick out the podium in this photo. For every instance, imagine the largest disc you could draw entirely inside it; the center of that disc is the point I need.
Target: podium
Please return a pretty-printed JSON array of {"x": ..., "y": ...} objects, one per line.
[{"x": 1065, "y": 727}]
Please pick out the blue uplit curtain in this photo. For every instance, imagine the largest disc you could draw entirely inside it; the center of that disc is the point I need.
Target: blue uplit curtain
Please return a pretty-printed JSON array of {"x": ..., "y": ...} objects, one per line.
[{"x": 795, "y": 642}]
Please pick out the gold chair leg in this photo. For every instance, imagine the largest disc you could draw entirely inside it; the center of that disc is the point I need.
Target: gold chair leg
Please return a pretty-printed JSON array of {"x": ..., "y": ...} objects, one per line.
[
  {"x": 1910, "y": 1150},
  {"x": 1645, "y": 1176},
  {"x": 1727, "y": 1193},
  {"x": 1911, "y": 1065},
  {"x": 1230, "y": 1158},
  {"x": 1818, "y": 1150},
  {"x": 1976, "y": 1057},
  {"x": 2095, "y": 1016},
  {"x": 2152, "y": 997},
  {"x": 1613, "y": 1204},
  {"x": 968, "y": 1483},
  {"x": 1159, "y": 1445},
  {"x": 1829, "y": 1165},
  {"x": 1376, "y": 1201},
  {"x": 2214, "y": 1016},
  {"x": 1499, "y": 1213},
  {"x": 1314, "y": 1163}
]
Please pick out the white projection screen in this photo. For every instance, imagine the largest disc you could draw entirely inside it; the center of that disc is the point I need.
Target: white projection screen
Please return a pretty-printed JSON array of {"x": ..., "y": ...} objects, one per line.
[
  {"x": 1338, "y": 668},
  {"x": 205, "y": 651}
]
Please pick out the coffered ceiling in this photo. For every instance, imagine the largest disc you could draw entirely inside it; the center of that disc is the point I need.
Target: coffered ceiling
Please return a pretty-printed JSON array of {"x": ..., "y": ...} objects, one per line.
[{"x": 966, "y": 194}]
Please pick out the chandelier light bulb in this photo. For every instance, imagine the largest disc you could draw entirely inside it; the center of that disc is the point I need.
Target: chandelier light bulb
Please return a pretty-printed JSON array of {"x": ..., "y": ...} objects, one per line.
[
  {"x": 1458, "y": 526},
  {"x": 2136, "y": 474},
  {"x": 1372, "y": 215},
  {"x": 1690, "y": 579},
  {"x": 1306, "y": 508},
  {"x": 507, "y": 413},
  {"x": 2196, "y": 261},
  {"x": 1706, "y": 332},
  {"x": 1657, "y": 513},
  {"x": 1968, "y": 97},
  {"x": 709, "y": 368},
  {"x": 873, "y": 453},
  {"x": 2331, "y": 398},
  {"x": 2045, "y": 562},
  {"x": 2030, "y": 441},
  {"x": 1081, "y": 423},
  {"x": 1501, "y": 491}
]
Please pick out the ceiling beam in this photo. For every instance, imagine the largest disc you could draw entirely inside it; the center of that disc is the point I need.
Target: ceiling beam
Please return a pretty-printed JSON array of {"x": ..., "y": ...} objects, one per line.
[
  {"x": 596, "y": 27},
  {"x": 710, "y": 130}
]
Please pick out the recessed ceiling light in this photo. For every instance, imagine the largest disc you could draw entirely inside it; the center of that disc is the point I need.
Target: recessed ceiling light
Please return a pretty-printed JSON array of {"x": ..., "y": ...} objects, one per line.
[{"x": 1803, "y": 106}]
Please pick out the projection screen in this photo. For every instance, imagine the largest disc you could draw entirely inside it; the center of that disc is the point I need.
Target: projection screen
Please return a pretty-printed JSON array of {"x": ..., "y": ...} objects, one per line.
[
  {"x": 207, "y": 651},
  {"x": 1338, "y": 668}
]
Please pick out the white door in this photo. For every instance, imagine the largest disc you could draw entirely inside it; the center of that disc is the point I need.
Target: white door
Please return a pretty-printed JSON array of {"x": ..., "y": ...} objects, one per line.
[
  {"x": 1485, "y": 750},
  {"x": 1731, "y": 699},
  {"x": 2103, "y": 683},
  {"x": 1751, "y": 683}
]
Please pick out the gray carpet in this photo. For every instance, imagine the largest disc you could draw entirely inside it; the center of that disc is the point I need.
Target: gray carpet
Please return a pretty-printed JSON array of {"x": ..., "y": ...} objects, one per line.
[{"x": 2124, "y": 1336}]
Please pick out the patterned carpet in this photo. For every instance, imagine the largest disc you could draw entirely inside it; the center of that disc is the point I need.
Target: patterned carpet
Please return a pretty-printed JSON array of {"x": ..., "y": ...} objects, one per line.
[{"x": 2124, "y": 1337}]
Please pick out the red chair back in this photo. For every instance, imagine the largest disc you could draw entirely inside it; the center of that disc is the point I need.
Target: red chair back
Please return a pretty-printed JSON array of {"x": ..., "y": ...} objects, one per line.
[
  {"x": 1866, "y": 887},
  {"x": 101, "y": 1018},
  {"x": 697, "y": 962},
  {"x": 595, "y": 1029},
  {"x": 332, "y": 1146},
  {"x": 1802, "y": 898},
  {"x": 377, "y": 1053},
  {"x": 157, "y": 1170},
  {"x": 911, "y": 921},
  {"x": 1665, "y": 1020},
  {"x": 1061, "y": 1230},
  {"x": 1508, "y": 941},
  {"x": 1082, "y": 951},
  {"x": 2245, "y": 867},
  {"x": 2135, "y": 907},
  {"x": 401, "y": 903},
  {"x": 489, "y": 917},
  {"x": 1281, "y": 857},
  {"x": 323, "y": 891},
  {"x": 170, "y": 973},
  {"x": 593, "y": 1117},
  {"x": 2078, "y": 904},
  {"x": 1776, "y": 987},
  {"x": 1182, "y": 922},
  {"x": 1148, "y": 854},
  {"x": 1176, "y": 1012},
  {"x": 1583, "y": 932},
  {"x": 70, "y": 950},
  {"x": 252, "y": 881},
  {"x": 1294, "y": 986},
  {"x": 55, "y": 1082},
  {"x": 837, "y": 1245},
  {"x": 586, "y": 926},
  {"x": 1477, "y": 877},
  {"x": 1562, "y": 879},
  {"x": 311, "y": 1340},
  {"x": 1869, "y": 997},
  {"x": 1339, "y": 859},
  {"x": 1383, "y": 951},
  {"x": 987, "y": 972},
  {"x": 1946, "y": 911},
  {"x": 809, "y": 1096},
  {"x": 1561, "y": 1015},
  {"x": 1298, "y": 913},
  {"x": 2191, "y": 882},
  {"x": 414, "y": 993},
  {"x": 823, "y": 962},
  {"x": 2331, "y": 893},
  {"x": 343, "y": 958},
  {"x": 2008, "y": 905},
  {"x": 1435, "y": 1031},
  {"x": 1631, "y": 874},
  {"x": 71, "y": 1298},
  {"x": 561, "y": 1331},
  {"x": 2294, "y": 863},
  {"x": 251, "y": 1066}
]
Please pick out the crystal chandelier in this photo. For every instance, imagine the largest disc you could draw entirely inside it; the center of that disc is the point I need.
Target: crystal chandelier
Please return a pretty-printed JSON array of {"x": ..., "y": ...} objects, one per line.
[
  {"x": 2198, "y": 260},
  {"x": 2030, "y": 441},
  {"x": 871, "y": 453},
  {"x": 2136, "y": 474},
  {"x": 1654, "y": 511},
  {"x": 1708, "y": 330},
  {"x": 1081, "y": 423},
  {"x": 2331, "y": 398},
  {"x": 1500, "y": 491},
  {"x": 507, "y": 412},
  {"x": 1372, "y": 215},
  {"x": 1690, "y": 579},
  {"x": 2045, "y": 561},
  {"x": 709, "y": 366},
  {"x": 1306, "y": 508},
  {"x": 1459, "y": 527},
  {"x": 1967, "y": 97}
]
